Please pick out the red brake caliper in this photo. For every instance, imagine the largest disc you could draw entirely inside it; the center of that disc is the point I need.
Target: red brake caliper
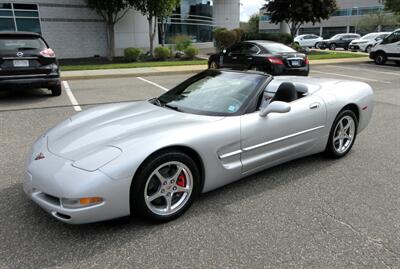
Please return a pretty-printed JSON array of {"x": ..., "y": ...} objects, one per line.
[{"x": 181, "y": 180}]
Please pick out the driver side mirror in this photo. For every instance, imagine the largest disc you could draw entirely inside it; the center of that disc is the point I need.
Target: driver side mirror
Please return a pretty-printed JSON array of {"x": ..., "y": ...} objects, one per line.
[{"x": 275, "y": 107}]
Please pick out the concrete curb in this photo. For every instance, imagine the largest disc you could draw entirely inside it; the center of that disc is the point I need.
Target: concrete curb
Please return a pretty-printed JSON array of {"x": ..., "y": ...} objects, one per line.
[{"x": 172, "y": 70}]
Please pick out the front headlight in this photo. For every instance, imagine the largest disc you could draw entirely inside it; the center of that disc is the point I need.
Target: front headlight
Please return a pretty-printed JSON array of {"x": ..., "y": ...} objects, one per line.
[{"x": 98, "y": 159}]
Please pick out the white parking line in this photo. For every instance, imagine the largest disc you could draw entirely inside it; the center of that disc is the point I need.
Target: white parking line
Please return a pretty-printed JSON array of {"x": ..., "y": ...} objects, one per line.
[
  {"x": 154, "y": 84},
  {"x": 385, "y": 67},
  {"x": 354, "y": 77},
  {"x": 71, "y": 97},
  {"x": 367, "y": 70}
]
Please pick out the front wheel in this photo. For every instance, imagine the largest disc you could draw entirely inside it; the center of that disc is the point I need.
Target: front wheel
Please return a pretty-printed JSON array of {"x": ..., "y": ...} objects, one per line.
[
  {"x": 56, "y": 90},
  {"x": 165, "y": 186},
  {"x": 332, "y": 46},
  {"x": 380, "y": 58},
  {"x": 342, "y": 135},
  {"x": 368, "y": 49},
  {"x": 214, "y": 65}
]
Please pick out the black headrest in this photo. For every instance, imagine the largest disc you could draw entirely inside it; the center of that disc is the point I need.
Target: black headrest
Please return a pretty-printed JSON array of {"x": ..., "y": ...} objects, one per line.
[{"x": 285, "y": 93}]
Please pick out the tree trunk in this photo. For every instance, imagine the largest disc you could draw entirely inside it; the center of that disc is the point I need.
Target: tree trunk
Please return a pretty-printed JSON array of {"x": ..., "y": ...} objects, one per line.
[
  {"x": 162, "y": 33},
  {"x": 111, "y": 41},
  {"x": 151, "y": 37}
]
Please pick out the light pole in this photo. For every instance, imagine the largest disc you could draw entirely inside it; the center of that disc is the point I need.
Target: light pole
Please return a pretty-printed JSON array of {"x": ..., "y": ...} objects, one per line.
[{"x": 356, "y": 24}]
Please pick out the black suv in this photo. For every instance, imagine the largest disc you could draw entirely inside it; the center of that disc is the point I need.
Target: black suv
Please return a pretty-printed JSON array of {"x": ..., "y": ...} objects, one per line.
[
  {"x": 27, "y": 61},
  {"x": 338, "y": 41}
]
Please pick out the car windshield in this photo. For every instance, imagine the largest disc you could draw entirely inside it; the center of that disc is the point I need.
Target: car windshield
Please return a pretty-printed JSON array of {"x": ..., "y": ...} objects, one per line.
[
  {"x": 336, "y": 36},
  {"x": 218, "y": 93},
  {"x": 369, "y": 36},
  {"x": 277, "y": 48},
  {"x": 20, "y": 44}
]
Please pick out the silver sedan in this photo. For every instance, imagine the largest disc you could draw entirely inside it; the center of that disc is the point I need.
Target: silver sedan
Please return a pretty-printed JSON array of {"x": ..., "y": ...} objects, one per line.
[{"x": 152, "y": 158}]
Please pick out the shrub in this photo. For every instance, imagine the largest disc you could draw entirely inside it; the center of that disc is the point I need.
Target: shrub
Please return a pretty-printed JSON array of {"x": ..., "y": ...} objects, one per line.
[
  {"x": 277, "y": 37},
  {"x": 162, "y": 53},
  {"x": 239, "y": 34},
  {"x": 182, "y": 42},
  {"x": 132, "y": 54},
  {"x": 191, "y": 52},
  {"x": 224, "y": 38}
]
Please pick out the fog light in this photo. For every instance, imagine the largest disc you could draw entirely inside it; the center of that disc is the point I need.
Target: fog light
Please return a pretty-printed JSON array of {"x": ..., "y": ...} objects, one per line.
[{"x": 81, "y": 202}]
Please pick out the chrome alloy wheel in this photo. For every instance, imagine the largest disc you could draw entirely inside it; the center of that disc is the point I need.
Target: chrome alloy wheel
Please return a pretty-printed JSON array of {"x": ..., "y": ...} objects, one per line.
[
  {"x": 344, "y": 134},
  {"x": 168, "y": 188}
]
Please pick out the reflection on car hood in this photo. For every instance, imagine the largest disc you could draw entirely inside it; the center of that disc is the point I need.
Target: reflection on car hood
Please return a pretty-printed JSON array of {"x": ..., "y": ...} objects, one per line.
[{"x": 90, "y": 131}]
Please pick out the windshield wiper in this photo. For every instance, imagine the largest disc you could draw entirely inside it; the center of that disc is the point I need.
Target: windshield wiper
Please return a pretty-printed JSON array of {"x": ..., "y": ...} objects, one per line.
[
  {"x": 172, "y": 107},
  {"x": 26, "y": 48}
]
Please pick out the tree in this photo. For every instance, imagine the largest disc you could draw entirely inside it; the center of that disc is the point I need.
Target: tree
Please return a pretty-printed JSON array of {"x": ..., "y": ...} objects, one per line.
[
  {"x": 254, "y": 23},
  {"x": 375, "y": 21},
  {"x": 392, "y": 5},
  {"x": 296, "y": 12},
  {"x": 111, "y": 11},
  {"x": 154, "y": 10}
]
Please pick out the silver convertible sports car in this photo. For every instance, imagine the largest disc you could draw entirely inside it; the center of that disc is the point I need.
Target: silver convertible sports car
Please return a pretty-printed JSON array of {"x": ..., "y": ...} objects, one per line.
[{"x": 152, "y": 158}]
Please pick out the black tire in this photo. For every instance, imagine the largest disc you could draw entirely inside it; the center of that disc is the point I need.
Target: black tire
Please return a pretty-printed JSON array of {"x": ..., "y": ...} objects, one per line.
[
  {"x": 213, "y": 65},
  {"x": 56, "y": 90},
  {"x": 380, "y": 58},
  {"x": 137, "y": 199},
  {"x": 398, "y": 63},
  {"x": 330, "y": 150},
  {"x": 316, "y": 45},
  {"x": 332, "y": 46},
  {"x": 346, "y": 48},
  {"x": 368, "y": 49}
]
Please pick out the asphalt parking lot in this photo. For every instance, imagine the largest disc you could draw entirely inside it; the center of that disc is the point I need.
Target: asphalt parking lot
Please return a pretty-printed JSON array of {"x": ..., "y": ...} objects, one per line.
[{"x": 310, "y": 213}]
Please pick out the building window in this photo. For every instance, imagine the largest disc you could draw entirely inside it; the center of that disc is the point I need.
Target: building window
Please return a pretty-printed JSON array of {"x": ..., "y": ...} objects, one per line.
[
  {"x": 357, "y": 11},
  {"x": 328, "y": 32},
  {"x": 193, "y": 18},
  {"x": 309, "y": 30},
  {"x": 19, "y": 17}
]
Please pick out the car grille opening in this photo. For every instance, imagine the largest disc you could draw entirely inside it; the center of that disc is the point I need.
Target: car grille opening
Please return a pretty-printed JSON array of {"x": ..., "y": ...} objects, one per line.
[
  {"x": 63, "y": 216},
  {"x": 50, "y": 199}
]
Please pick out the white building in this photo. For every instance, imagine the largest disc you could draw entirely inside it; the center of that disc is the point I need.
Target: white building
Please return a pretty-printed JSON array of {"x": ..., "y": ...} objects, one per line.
[{"x": 75, "y": 31}]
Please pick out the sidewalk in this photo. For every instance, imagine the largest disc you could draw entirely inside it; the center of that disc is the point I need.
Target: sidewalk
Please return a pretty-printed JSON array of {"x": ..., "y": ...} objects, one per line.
[{"x": 169, "y": 70}]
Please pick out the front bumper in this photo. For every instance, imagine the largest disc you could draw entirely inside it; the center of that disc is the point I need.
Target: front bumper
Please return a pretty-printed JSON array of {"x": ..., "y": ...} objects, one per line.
[
  {"x": 51, "y": 179},
  {"x": 24, "y": 82}
]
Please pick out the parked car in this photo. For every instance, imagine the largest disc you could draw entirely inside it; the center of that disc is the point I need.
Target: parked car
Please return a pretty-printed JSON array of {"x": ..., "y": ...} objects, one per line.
[
  {"x": 387, "y": 49},
  {"x": 366, "y": 42},
  {"x": 27, "y": 61},
  {"x": 113, "y": 160},
  {"x": 310, "y": 41},
  {"x": 338, "y": 41},
  {"x": 270, "y": 57}
]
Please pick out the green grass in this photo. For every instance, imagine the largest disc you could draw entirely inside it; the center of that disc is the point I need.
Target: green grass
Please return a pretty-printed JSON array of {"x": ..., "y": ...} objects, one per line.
[
  {"x": 323, "y": 55},
  {"x": 130, "y": 65},
  {"x": 312, "y": 55}
]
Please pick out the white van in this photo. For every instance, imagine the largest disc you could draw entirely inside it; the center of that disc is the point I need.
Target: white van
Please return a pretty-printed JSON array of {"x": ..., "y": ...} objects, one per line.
[{"x": 387, "y": 50}]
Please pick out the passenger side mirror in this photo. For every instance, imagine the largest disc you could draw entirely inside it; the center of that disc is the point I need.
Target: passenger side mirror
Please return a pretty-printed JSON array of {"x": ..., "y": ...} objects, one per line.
[{"x": 275, "y": 107}]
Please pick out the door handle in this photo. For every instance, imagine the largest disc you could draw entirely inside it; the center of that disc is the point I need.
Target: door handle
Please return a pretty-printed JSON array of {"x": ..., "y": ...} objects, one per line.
[
  {"x": 234, "y": 58},
  {"x": 250, "y": 58},
  {"x": 315, "y": 105}
]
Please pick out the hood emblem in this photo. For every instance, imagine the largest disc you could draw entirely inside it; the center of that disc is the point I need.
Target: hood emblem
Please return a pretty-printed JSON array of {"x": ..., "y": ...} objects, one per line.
[
  {"x": 39, "y": 157},
  {"x": 20, "y": 54}
]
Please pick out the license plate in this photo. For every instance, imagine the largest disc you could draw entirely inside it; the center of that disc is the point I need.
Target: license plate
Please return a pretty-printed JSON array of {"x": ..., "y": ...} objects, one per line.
[
  {"x": 21, "y": 63},
  {"x": 295, "y": 63}
]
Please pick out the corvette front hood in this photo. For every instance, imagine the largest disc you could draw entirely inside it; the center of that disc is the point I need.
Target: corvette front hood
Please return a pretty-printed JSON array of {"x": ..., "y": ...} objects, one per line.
[{"x": 94, "y": 129}]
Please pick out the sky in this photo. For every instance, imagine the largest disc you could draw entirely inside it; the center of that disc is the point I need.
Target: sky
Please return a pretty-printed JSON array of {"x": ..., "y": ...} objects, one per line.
[{"x": 249, "y": 7}]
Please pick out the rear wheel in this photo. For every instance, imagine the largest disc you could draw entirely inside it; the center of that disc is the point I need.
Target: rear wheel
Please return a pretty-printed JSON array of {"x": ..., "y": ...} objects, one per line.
[
  {"x": 316, "y": 45},
  {"x": 332, "y": 46},
  {"x": 380, "y": 58},
  {"x": 165, "y": 186},
  {"x": 343, "y": 134},
  {"x": 56, "y": 90},
  {"x": 214, "y": 65}
]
